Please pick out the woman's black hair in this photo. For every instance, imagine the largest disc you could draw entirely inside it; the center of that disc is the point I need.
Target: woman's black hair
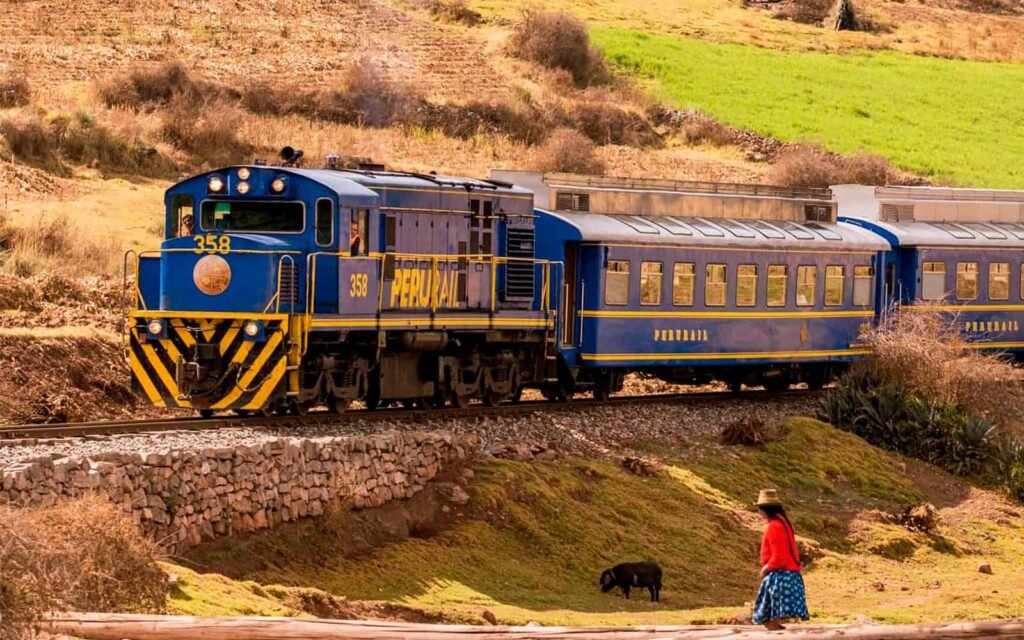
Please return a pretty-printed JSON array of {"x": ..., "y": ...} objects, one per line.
[{"x": 773, "y": 511}]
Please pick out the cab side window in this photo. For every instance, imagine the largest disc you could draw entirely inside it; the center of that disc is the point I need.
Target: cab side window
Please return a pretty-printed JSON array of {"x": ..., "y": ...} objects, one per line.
[
  {"x": 357, "y": 238},
  {"x": 181, "y": 220},
  {"x": 324, "y": 222}
]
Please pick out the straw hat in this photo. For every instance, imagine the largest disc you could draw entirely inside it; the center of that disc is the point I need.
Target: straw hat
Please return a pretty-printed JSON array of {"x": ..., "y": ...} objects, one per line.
[{"x": 769, "y": 498}]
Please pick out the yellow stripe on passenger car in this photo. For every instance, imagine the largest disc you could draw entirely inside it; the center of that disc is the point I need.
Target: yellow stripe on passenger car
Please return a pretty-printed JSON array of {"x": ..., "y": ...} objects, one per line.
[
  {"x": 728, "y": 315},
  {"x": 251, "y": 372},
  {"x": 963, "y": 307},
  {"x": 604, "y": 357},
  {"x": 147, "y": 384},
  {"x": 268, "y": 385},
  {"x": 161, "y": 371}
]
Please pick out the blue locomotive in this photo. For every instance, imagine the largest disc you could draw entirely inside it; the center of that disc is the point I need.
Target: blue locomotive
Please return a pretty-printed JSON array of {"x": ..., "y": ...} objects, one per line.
[
  {"x": 279, "y": 288},
  {"x": 282, "y": 288}
]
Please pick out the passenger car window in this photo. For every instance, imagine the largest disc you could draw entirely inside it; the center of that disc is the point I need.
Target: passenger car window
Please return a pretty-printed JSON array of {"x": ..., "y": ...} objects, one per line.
[
  {"x": 999, "y": 281},
  {"x": 650, "y": 283},
  {"x": 933, "y": 281},
  {"x": 863, "y": 278},
  {"x": 777, "y": 278},
  {"x": 967, "y": 280},
  {"x": 616, "y": 282},
  {"x": 683, "y": 277},
  {"x": 746, "y": 285},
  {"x": 806, "y": 285},
  {"x": 714, "y": 285},
  {"x": 324, "y": 222},
  {"x": 835, "y": 280}
]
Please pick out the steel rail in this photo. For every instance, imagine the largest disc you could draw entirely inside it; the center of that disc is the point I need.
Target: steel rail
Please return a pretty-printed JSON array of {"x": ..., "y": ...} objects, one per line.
[{"x": 83, "y": 429}]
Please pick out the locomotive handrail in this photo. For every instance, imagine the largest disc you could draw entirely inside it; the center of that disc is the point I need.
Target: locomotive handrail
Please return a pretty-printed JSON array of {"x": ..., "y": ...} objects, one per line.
[{"x": 125, "y": 310}]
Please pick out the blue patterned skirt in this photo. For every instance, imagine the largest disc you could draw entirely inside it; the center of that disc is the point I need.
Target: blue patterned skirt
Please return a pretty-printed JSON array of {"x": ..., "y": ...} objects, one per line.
[{"x": 781, "y": 596}]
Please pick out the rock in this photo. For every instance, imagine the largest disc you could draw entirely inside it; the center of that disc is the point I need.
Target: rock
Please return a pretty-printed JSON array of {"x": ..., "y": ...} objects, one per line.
[
  {"x": 878, "y": 586},
  {"x": 467, "y": 473},
  {"x": 863, "y": 619},
  {"x": 453, "y": 493},
  {"x": 489, "y": 616},
  {"x": 985, "y": 567}
]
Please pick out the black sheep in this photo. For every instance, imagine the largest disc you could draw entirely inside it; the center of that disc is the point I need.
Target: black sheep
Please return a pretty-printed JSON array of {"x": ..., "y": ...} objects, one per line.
[{"x": 633, "y": 574}]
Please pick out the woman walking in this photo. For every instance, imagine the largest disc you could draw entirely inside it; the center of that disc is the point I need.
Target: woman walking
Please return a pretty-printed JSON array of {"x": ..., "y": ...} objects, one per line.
[{"x": 781, "y": 596}]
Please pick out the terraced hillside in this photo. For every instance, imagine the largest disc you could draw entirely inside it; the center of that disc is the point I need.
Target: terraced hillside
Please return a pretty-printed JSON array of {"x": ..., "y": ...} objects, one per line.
[{"x": 535, "y": 536}]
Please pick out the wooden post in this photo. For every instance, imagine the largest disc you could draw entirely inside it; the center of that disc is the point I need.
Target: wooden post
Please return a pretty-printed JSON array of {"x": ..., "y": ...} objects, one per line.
[{"x": 111, "y": 626}]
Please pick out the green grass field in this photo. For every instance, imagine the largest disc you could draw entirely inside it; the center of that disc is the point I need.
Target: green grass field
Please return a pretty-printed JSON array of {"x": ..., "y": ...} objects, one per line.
[
  {"x": 537, "y": 535},
  {"x": 952, "y": 120}
]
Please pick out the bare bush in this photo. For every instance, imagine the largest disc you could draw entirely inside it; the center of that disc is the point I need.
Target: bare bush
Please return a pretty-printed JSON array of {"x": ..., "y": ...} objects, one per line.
[
  {"x": 379, "y": 101},
  {"x": 15, "y": 90},
  {"x": 559, "y": 40},
  {"x": 607, "y": 124},
  {"x": 923, "y": 350},
  {"x": 569, "y": 151},
  {"x": 707, "y": 130},
  {"x": 809, "y": 166},
  {"x": 453, "y": 11},
  {"x": 85, "y": 555},
  {"x": 207, "y": 131},
  {"x": 146, "y": 87},
  {"x": 749, "y": 431},
  {"x": 806, "y": 11},
  {"x": 923, "y": 517}
]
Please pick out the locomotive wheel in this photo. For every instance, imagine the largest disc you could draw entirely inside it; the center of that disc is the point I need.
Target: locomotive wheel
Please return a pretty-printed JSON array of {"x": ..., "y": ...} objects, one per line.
[
  {"x": 493, "y": 398},
  {"x": 338, "y": 405},
  {"x": 517, "y": 396}
]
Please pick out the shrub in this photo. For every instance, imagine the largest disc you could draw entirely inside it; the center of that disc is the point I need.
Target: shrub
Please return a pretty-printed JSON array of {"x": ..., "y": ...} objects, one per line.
[
  {"x": 703, "y": 129},
  {"x": 607, "y": 124},
  {"x": 748, "y": 431},
  {"x": 15, "y": 90},
  {"x": 922, "y": 517},
  {"x": 208, "y": 132},
  {"x": 85, "y": 555},
  {"x": 809, "y": 166},
  {"x": 453, "y": 11},
  {"x": 30, "y": 141},
  {"x": 806, "y": 11},
  {"x": 379, "y": 101},
  {"x": 569, "y": 151},
  {"x": 146, "y": 87},
  {"x": 558, "y": 40}
]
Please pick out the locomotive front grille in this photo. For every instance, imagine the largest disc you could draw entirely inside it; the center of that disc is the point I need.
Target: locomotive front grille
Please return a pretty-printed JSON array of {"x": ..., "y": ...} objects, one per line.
[{"x": 519, "y": 274}]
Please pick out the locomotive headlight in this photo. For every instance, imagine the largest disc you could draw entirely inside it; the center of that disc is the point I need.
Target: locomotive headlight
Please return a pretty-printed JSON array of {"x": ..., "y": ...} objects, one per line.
[
  {"x": 278, "y": 185},
  {"x": 253, "y": 330},
  {"x": 242, "y": 187},
  {"x": 215, "y": 184},
  {"x": 155, "y": 328},
  {"x": 243, "y": 173}
]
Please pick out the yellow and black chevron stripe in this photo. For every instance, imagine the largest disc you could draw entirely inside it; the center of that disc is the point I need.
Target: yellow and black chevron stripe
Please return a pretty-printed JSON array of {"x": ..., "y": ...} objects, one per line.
[{"x": 259, "y": 367}]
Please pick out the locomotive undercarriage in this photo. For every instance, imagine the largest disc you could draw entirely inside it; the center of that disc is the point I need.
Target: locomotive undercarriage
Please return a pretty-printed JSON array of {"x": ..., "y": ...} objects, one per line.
[{"x": 422, "y": 368}]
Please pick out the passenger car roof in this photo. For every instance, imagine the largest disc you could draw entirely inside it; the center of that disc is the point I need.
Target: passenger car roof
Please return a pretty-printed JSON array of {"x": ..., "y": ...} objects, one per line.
[
  {"x": 754, "y": 234},
  {"x": 946, "y": 234}
]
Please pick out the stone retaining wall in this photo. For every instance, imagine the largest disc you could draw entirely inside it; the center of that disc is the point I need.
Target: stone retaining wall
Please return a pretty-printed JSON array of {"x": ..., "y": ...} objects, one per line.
[{"x": 178, "y": 498}]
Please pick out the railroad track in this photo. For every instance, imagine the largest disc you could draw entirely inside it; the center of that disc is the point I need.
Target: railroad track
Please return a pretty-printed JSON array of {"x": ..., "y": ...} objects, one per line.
[{"x": 106, "y": 428}]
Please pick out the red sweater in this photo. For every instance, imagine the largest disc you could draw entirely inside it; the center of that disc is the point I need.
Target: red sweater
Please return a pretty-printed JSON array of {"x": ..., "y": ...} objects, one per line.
[{"x": 778, "y": 547}]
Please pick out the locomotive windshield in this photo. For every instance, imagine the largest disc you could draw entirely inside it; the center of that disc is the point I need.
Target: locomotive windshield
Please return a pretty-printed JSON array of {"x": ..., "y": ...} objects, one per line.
[{"x": 262, "y": 217}]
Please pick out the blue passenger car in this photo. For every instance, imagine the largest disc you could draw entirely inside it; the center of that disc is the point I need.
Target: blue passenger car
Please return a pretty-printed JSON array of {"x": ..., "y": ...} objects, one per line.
[
  {"x": 972, "y": 270},
  {"x": 281, "y": 288},
  {"x": 750, "y": 302}
]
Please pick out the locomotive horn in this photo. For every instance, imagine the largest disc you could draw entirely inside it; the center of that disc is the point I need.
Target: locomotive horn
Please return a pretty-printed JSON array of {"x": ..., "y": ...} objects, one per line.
[{"x": 290, "y": 155}]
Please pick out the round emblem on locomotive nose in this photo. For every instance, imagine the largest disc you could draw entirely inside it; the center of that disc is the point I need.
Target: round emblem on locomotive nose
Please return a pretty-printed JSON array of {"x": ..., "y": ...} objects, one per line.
[{"x": 212, "y": 275}]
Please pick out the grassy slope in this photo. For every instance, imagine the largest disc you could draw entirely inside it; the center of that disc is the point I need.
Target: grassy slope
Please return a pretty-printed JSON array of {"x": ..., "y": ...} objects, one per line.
[
  {"x": 953, "y": 119},
  {"x": 540, "y": 533}
]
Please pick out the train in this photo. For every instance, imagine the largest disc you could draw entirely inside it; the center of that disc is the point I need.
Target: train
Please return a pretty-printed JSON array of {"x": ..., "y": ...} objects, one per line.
[{"x": 279, "y": 288}]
